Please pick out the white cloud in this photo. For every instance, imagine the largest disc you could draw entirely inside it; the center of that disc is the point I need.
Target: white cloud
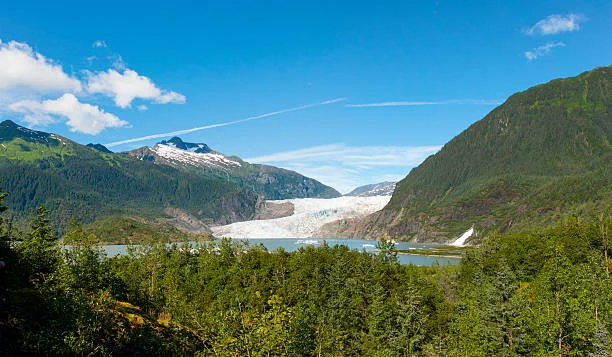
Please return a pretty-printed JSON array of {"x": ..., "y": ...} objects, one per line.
[
  {"x": 129, "y": 85},
  {"x": 30, "y": 84},
  {"x": 555, "y": 24},
  {"x": 443, "y": 102},
  {"x": 21, "y": 67},
  {"x": 82, "y": 117},
  {"x": 346, "y": 167},
  {"x": 542, "y": 50},
  {"x": 99, "y": 44},
  {"x": 211, "y": 126}
]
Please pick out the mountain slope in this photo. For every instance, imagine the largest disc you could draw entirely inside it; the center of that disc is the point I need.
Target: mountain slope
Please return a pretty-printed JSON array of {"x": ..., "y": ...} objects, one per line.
[
  {"x": 541, "y": 155},
  {"x": 271, "y": 182},
  {"x": 75, "y": 180}
]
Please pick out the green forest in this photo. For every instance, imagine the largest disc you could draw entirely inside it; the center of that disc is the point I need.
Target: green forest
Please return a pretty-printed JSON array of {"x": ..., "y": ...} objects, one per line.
[{"x": 542, "y": 293}]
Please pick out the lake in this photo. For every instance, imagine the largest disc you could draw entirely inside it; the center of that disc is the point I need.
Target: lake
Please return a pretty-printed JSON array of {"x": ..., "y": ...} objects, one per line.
[{"x": 293, "y": 244}]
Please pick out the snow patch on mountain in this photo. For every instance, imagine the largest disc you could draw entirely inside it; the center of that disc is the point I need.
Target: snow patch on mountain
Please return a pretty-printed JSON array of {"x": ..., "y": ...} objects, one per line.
[
  {"x": 57, "y": 138},
  {"x": 309, "y": 215},
  {"x": 196, "y": 148},
  {"x": 460, "y": 242},
  {"x": 190, "y": 157},
  {"x": 377, "y": 189}
]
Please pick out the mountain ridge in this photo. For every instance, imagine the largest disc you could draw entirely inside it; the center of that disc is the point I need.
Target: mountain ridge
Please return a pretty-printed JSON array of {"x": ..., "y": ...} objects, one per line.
[
  {"x": 385, "y": 188},
  {"x": 73, "y": 180},
  {"x": 272, "y": 183}
]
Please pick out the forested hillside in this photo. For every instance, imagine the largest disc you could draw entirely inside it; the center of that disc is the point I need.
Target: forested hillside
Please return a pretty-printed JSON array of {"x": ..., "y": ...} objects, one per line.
[
  {"x": 542, "y": 155},
  {"x": 77, "y": 181}
]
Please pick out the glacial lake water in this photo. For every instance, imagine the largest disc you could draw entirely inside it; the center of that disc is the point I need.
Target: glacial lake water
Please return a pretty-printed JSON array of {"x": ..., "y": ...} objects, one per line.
[{"x": 293, "y": 244}]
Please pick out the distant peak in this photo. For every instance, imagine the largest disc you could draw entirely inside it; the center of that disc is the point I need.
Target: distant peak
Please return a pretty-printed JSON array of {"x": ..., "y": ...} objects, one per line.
[
  {"x": 9, "y": 130},
  {"x": 178, "y": 143},
  {"x": 8, "y": 123},
  {"x": 377, "y": 189},
  {"x": 99, "y": 147},
  {"x": 176, "y": 140}
]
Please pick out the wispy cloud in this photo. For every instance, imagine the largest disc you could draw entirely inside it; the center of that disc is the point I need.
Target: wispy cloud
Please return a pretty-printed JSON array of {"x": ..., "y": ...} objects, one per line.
[
  {"x": 211, "y": 126},
  {"x": 542, "y": 50},
  {"x": 555, "y": 24},
  {"x": 346, "y": 167},
  {"x": 99, "y": 44},
  {"x": 443, "y": 102}
]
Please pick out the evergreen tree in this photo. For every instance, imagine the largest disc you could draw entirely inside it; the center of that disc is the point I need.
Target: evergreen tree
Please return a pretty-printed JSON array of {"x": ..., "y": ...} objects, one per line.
[{"x": 38, "y": 253}]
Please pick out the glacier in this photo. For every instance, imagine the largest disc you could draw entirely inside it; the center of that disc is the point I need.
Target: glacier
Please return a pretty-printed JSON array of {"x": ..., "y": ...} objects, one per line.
[{"x": 308, "y": 216}]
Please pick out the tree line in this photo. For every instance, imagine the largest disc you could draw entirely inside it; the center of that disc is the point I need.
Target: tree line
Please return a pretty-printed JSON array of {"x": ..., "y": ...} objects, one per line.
[{"x": 544, "y": 293}]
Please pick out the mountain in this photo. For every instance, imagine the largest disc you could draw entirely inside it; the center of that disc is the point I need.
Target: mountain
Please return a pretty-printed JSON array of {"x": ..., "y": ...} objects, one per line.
[
  {"x": 99, "y": 147},
  {"x": 272, "y": 183},
  {"x": 75, "y": 180},
  {"x": 542, "y": 155},
  {"x": 377, "y": 189}
]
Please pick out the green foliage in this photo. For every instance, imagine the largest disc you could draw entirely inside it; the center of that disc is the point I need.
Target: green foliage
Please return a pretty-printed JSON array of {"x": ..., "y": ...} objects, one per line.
[
  {"x": 545, "y": 294},
  {"x": 125, "y": 230},
  {"x": 38, "y": 254},
  {"x": 535, "y": 294}
]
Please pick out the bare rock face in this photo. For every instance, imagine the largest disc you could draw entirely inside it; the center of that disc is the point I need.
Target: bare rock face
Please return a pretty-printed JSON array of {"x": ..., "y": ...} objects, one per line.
[
  {"x": 271, "y": 210},
  {"x": 185, "y": 221},
  {"x": 389, "y": 224}
]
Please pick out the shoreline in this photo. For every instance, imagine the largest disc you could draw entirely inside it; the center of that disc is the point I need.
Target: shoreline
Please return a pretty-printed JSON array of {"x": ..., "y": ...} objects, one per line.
[{"x": 433, "y": 255}]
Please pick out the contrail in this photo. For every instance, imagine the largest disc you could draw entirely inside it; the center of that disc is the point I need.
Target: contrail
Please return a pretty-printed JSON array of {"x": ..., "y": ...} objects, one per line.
[
  {"x": 444, "y": 102},
  {"x": 186, "y": 131}
]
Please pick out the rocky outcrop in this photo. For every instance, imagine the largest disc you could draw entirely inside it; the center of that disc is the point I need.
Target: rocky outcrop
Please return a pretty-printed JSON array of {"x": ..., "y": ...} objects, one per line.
[
  {"x": 272, "y": 210},
  {"x": 185, "y": 222}
]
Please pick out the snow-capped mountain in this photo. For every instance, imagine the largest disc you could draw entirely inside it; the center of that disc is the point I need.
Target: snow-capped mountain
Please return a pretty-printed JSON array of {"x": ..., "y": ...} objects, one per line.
[
  {"x": 193, "y": 154},
  {"x": 309, "y": 215},
  {"x": 268, "y": 181},
  {"x": 176, "y": 142},
  {"x": 377, "y": 189},
  {"x": 176, "y": 152}
]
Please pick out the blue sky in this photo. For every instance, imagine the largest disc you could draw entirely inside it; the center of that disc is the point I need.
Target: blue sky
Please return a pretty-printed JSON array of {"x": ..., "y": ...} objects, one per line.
[{"x": 350, "y": 93}]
